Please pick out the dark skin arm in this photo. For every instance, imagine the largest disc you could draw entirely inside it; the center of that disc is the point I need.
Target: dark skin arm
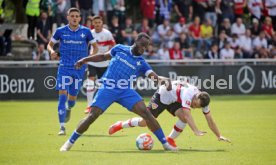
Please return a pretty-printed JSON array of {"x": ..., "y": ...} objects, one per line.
[
  {"x": 160, "y": 80},
  {"x": 95, "y": 58}
]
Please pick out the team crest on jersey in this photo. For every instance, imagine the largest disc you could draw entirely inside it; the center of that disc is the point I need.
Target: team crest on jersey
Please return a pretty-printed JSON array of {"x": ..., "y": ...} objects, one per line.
[
  {"x": 82, "y": 35},
  {"x": 138, "y": 63},
  {"x": 188, "y": 102},
  {"x": 154, "y": 105}
]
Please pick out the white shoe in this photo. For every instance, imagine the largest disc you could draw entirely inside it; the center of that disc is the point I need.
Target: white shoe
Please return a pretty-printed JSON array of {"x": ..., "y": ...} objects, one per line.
[
  {"x": 66, "y": 146},
  {"x": 62, "y": 131},
  {"x": 169, "y": 147}
]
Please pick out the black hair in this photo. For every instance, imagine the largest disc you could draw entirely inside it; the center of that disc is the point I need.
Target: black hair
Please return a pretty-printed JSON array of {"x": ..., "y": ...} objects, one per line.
[
  {"x": 143, "y": 35},
  {"x": 204, "y": 98}
]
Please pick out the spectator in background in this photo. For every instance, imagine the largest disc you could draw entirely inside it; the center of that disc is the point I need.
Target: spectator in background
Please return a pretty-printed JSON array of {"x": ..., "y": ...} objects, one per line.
[
  {"x": 98, "y": 7},
  {"x": 175, "y": 52},
  {"x": 62, "y": 8},
  {"x": 213, "y": 52},
  {"x": 32, "y": 12},
  {"x": 163, "y": 29},
  {"x": 89, "y": 22},
  {"x": 195, "y": 33},
  {"x": 255, "y": 28},
  {"x": 43, "y": 32},
  {"x": 184, "y": 8},
  {"x": 268, "y": 28},
  {"x": 180, "y": 26},
  {"x": 147, "y": 8},
  {"x": 115, "y": 29},
  {"x": 126, "y": 31},
  {"x": 221, "y": 40},
  {"x": 199, "y": 8},
  {"x": 50, "y": 7},
  {"x": 255, "y": 7},
  {"x": 227, "y": 52},
  {"x": 169, "y": 38},
  {"x": 150, "y": 53},
  {"x": 271, "y": 6},
  {"x": 6, "y": 43},
  {"x": 260, "y": 46},
  {"x": 119, "y": 10},
  {"x": 165, "y": 7},
  {"x": 238, "y": 8},
  {"x": 211, "y": 12},
  {"x": 109, "y": 11},
  {"x": 235, "y": 45},
  {"x": 163, "y": 53},
  {"x": 185, "y": 45},
  {"x": 85, "y": 7},
  {"x": 226, "y": 7},
  {"x": 206, "y": 31},
  {"x": 144, "y": 27},
  {"x": 246, "y": 44},
  {"x": 226, "y": 27},
  {"x": 238, "y": 27},
  {"x": 41, "y": 53}
]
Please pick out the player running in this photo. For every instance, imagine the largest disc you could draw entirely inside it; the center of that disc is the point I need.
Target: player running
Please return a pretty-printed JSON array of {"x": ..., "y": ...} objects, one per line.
[
  {"x": 105, "y": 42},
  {"x": 178, "y": 102},
  {"x": 126, "y": 62},
  {"x": 73, "y": 39}
]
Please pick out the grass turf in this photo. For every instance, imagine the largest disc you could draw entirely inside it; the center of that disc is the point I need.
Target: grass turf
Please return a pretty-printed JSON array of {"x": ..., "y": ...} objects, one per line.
[{"x": 28, "y": 135}]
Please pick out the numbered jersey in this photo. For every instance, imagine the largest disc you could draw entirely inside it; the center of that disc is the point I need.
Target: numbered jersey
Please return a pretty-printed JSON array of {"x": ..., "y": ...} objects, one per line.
[
  {"x": 182, "y": 92},
  {"x": 104, "y": 40}
]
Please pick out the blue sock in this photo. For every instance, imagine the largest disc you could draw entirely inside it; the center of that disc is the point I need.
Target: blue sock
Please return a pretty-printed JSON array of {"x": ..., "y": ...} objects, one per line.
[
  {"x": 71, "y": 104},
  {"x": 74, "y": 137},
  {"x": 160, "y": 135},
  {"x": 61, "y": 108}
]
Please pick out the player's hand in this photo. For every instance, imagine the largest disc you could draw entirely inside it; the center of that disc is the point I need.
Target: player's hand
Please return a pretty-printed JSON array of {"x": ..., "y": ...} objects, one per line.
[
  {"x": 221, "y": 138},
  {"x": 79, "y": 63},
  {"x": 200, "y": 133},
  {"x": 54, "y": 55}
]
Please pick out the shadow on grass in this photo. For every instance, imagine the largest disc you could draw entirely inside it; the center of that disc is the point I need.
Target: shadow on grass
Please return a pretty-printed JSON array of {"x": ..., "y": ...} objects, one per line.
[
  {"x": 113, "y": 136},
  {"x": 152, "y": 151}
]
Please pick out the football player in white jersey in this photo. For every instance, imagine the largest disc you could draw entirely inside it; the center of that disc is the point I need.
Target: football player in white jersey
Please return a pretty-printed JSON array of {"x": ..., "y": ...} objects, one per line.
[
  {"x": 178, "y": 102},
  {"x": 105, "y": 42}
]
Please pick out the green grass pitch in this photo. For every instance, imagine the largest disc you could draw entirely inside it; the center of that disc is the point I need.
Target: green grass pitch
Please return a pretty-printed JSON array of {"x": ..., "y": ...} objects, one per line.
[{"x": 28, "y": 135}]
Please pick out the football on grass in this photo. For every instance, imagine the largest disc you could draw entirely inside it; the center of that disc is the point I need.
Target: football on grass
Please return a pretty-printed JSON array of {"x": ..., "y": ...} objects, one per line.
[{"x": 144, "y": 142}]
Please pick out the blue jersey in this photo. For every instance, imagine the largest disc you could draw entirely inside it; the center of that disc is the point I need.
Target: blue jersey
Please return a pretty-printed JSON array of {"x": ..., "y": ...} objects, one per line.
[
  {"x": 124, "y": 64},
  {"x": 73, "y": 44}
]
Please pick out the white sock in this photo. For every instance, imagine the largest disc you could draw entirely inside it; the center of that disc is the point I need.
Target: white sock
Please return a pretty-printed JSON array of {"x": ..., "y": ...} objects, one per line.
[
  {"x": 177, "y": 129},
  {"x": 62, "y": 124},
  {"x": 90, "y": 92},
  {"x": 133, "y": 122}
]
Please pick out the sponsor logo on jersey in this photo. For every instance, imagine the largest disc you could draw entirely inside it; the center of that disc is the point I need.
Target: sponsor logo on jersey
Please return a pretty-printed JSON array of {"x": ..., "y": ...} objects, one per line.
[{"x": 72, "y": 42}]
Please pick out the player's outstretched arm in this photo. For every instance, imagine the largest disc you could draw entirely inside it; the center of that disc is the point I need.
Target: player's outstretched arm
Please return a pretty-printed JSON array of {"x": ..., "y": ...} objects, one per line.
[
  {"x": 187, "y": 116},
  {"x": 212, "y": 125},
  {"x": 96, "y": 58},
  {"x": 161, "y": 80}
]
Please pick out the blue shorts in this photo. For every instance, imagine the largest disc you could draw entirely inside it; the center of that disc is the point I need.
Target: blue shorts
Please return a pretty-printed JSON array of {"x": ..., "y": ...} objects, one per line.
[
  {"x": 70, "y": 79},
  {"x": 126, "y": 97}
]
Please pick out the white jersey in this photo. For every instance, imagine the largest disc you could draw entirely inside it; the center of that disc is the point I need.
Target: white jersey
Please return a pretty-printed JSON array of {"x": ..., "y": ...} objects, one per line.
[
  {"x": 104, "y": 40},
  {"x": 181, "y": 92}
]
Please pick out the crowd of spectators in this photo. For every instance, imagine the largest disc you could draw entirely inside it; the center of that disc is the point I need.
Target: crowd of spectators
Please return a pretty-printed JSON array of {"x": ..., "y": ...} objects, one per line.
[{"x": 180, "y": 29}]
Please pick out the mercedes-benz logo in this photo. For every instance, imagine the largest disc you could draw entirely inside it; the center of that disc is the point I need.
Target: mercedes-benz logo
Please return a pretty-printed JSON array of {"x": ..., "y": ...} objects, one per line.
[{"x": 246, "y": 79}]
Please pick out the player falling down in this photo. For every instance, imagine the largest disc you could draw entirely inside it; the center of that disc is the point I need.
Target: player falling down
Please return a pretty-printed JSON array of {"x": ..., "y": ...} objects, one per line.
[
  {"x": 126, "y": 61},
  {"x": 178, "y": 102},
  {"x": 74, "y": 40},
  {"x": 105, "y": 42}
]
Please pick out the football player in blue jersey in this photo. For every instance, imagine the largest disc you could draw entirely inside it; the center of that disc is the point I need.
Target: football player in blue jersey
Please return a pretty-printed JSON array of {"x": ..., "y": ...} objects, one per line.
[
  {"x": 126, "y": 63},
  {"x": 74, "y": 41}
]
